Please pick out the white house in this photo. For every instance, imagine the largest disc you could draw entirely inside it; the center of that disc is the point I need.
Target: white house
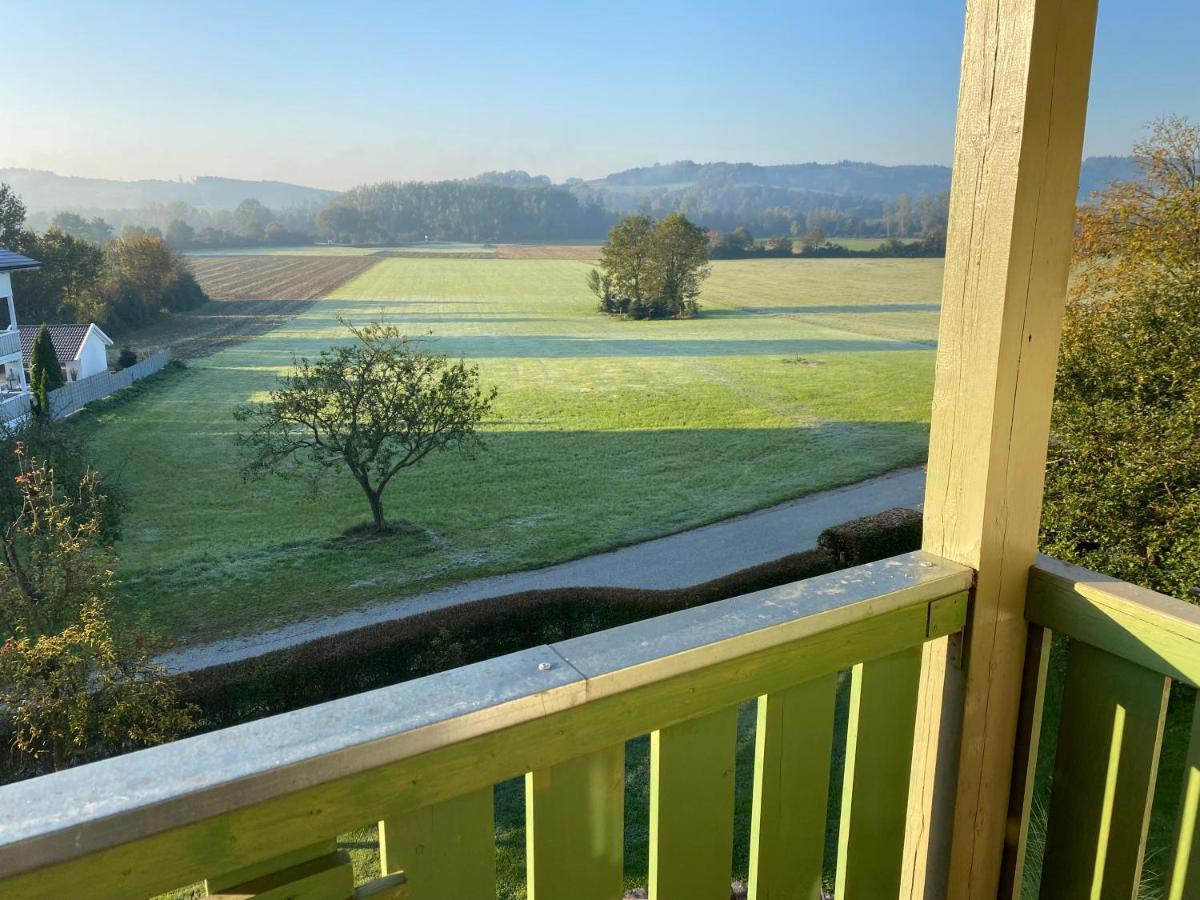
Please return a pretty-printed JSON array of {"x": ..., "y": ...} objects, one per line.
[
  {"x": 80, "y": 348},
  {"x": 12, "y": 371}
]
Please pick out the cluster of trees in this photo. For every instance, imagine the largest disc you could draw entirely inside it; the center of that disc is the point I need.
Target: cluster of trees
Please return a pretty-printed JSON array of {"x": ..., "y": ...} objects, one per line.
[
  {"x": 472, "y": 211},
  {"x": 250, "y": 224},
  {"x": 126, "y": 281},
  {"x": 651, "y": 270},
  {"x": 740, "y": 244},
  {"x": 73, "y": 685},
  {"x": 1123, "y": 476}
]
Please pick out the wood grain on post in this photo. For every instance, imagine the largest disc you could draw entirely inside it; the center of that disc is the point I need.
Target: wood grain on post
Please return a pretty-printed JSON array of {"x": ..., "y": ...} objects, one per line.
[{"x": 1018, "y": 146}]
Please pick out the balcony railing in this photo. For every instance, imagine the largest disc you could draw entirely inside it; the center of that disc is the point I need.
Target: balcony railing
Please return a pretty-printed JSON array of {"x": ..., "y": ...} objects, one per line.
[
  {"x": 257, "y": 807},
  {"x": 1128, "y": 645},
  {"x": 10, "y": 342}
]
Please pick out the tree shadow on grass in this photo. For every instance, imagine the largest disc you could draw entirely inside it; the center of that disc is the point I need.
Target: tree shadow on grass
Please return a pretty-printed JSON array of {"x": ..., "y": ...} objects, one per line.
[
  {"x": 542, "y": 346},
  {"x": 531, "y": 499},
  {"x": 829, "y": 309}
]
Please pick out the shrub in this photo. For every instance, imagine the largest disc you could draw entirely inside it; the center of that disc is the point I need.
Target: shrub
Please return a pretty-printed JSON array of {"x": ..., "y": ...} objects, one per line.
[
  {"x": 1123, "y": 475},
  {"x": 71, "y": 687}
]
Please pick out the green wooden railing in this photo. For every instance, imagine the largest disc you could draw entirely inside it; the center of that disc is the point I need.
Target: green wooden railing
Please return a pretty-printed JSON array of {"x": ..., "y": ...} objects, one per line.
[
  {"x": 254, "y": 809},
  {"x": 1127, "y": 645}
]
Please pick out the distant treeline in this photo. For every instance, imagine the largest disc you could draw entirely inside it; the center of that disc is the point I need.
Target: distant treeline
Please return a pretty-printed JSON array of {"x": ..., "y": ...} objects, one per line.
[
  {"x": 496, "y": 207},
  {"x": 741, "y": 244},
  {"x": 469, "y": 211},
  {"x": 120, "y": 282}
]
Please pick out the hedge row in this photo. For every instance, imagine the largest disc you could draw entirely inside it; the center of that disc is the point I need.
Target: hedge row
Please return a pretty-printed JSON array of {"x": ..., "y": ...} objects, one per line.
[{"x": 378, "y": 655}]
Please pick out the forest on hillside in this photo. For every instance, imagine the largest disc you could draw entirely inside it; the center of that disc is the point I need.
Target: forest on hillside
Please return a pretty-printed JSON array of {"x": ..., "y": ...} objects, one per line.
[{"x": 839, "y": 200}]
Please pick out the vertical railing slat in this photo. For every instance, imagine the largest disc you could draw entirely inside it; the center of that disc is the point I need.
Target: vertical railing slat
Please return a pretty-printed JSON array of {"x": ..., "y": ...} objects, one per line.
[
  {"x": 446, "y": 851},
  {"x": 574, "y": 828},
  {"x": 1113, "y": 712},
  {"x": 1025, "y": 759},
  {"x": 1185, "y": 851},
  {"x": 879, "y": 740},
  {"x": 691, "y": 808},
  {"x": 793, "y": 745}
]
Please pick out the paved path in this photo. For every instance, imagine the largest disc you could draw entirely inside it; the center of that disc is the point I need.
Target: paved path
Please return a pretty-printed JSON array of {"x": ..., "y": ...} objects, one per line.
[{"x": 678, "y": 560}]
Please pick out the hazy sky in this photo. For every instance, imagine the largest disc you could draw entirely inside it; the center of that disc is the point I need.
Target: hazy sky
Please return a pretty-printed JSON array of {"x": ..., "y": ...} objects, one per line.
[{"x": 335, "y": 94}]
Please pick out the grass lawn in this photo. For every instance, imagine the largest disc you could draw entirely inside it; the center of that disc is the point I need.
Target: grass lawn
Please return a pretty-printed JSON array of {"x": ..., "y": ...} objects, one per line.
[{"x": 799, "y": 376}]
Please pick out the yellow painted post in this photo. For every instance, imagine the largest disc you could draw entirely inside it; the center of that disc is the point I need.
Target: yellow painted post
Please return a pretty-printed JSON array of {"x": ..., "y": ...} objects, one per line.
[
  {"x": 1018, "y": 146},
  {"x": 793, "y": 745},
  {"x": 883, "y": 709},
  {"x": 575, "y": 828},
  {"x": 1110, "y": 735},
  {"x": 691, "y": 808},
  {"x": 446, "y": 851}
]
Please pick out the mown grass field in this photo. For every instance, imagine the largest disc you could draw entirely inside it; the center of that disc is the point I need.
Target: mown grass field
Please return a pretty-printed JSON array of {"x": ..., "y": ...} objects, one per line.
[{"x": 799, "y": 376}]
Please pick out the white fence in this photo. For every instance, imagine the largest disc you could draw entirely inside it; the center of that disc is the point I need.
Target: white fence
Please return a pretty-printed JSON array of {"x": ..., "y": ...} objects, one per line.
[
  {"x": 14, "y": 408},
  {"x": 75, "y": 395},
  {"x": 10, "y": 342}
]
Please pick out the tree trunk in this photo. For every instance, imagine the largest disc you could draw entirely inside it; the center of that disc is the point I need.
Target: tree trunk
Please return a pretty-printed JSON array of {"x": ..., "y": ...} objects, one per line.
[{"x": 375, "y": 498}]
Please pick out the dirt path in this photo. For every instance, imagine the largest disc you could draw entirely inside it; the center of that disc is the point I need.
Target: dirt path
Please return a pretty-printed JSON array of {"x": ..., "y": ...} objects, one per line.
[{"x": 678, "y": 560}]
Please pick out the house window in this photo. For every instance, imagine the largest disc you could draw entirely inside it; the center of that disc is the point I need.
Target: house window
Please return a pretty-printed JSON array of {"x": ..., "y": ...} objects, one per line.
[{"x": 5, "y": 310}]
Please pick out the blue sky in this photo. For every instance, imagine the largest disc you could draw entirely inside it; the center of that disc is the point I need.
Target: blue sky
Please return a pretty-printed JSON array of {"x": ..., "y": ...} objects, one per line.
[{"x": 335, "y": 94}]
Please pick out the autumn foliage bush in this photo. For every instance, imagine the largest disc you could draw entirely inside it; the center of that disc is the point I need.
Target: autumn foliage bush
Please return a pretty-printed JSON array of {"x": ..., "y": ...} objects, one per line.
[
  {"x": 72, "y": 686},
  {"x": 1123, "y": 476}
]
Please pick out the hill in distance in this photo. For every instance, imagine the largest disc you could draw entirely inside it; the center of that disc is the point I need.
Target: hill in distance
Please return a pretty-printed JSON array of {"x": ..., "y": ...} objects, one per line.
[
  {"x": 49, "y": 192},
  {"x": 624, "y": 190},
  {"x": 696, "y": 188}
]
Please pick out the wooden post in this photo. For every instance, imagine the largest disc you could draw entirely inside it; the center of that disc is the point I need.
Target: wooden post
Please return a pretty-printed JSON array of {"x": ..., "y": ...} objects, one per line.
[{"x": 1018, "y": 146}]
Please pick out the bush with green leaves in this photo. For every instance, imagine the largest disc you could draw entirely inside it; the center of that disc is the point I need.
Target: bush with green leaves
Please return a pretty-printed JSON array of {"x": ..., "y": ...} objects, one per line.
[
  {"x": 72, "y": 686},
  {"x": 1123, "y": 476}
]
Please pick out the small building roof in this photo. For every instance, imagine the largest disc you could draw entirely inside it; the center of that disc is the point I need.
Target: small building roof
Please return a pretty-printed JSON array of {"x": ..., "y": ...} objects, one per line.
[
  {"x": 67, "y": 340},
  {"x": 10, "y": 261}
]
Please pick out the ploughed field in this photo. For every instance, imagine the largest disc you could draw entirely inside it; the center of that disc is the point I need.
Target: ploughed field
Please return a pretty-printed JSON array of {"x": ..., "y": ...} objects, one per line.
[
  {"x": 800, "y": 375},
  {"x": 270, "y": 277}
]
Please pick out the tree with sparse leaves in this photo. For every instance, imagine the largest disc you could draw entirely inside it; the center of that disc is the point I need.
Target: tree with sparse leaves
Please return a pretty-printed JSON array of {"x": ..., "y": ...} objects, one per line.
[
  {"x": 376, "y": 407},
  {"x": 72, "y": 687},
  {"x": 1123, "y": 475}
]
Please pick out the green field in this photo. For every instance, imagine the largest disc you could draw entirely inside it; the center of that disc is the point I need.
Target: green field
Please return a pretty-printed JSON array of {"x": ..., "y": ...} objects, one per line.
[{"x": 800, "y": 375}]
